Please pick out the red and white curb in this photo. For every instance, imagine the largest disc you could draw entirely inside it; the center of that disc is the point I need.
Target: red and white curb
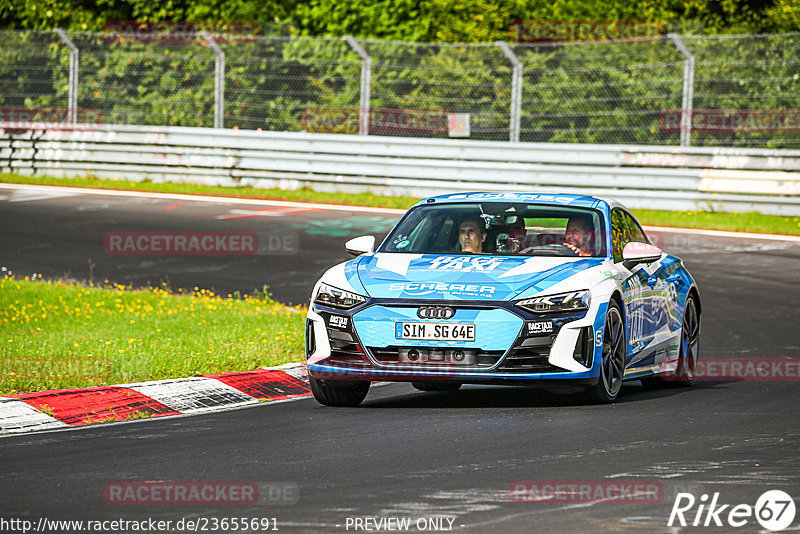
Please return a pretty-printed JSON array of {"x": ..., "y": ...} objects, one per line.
[{"x": 63, "y": 408}]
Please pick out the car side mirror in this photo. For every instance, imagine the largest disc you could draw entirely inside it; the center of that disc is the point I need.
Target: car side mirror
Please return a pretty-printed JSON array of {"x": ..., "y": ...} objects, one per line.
[
  {"x": 360, "y": 245},
  {"x": 635, "y": 253}
]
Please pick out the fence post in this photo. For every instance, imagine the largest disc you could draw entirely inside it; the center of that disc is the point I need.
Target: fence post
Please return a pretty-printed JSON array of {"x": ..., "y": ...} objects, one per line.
[
  {"x": 516, "y": 91},
  {"x": 72, "y": 91},
  {"x": 219, "y": 79},
  {"x": 688, "y": 88},
  {"x": 366, "y": 83}
]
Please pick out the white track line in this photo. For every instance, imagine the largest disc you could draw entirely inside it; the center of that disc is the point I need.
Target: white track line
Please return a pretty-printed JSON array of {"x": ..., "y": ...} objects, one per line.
[
  {"x": 336, "y": 207},
  {"x": 723, "y": 233},
  {"x": 203, "y": 198}
]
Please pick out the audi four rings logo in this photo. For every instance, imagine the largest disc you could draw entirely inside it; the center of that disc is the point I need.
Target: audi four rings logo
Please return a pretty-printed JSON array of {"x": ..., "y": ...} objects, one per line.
[{"x": 435, "y": 312}]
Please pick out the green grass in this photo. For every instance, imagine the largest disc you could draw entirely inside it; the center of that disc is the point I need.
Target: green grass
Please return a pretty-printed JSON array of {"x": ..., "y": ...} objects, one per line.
[
  {"x": 735, "y": 222},
  {"x": 740, "y": 222},
  {"x": 57, "y": 335}
]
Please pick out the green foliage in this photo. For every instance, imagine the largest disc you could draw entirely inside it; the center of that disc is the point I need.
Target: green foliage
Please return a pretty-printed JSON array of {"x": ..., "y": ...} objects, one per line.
[
  {"x": 597, "y": 92},
  {"x": 408, "y": 20},
  {"x": 273, "y": 83},
  {"x": 135, "y": 83}
]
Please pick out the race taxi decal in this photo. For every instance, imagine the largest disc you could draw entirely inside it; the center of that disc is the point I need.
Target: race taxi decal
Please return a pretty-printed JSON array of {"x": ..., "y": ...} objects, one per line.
[{"x": 464, "y": 264}]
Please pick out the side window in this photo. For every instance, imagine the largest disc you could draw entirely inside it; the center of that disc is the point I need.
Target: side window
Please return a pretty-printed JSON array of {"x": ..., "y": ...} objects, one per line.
[
  {"x": 635, "y": 231},
  {"x": 619, "y": 233}
]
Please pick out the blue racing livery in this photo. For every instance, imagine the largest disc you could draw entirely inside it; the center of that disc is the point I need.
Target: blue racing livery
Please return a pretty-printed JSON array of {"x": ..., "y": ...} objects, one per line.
[
  {"x": 503, "y": 288},
  {"x": 461, "y": 277}
]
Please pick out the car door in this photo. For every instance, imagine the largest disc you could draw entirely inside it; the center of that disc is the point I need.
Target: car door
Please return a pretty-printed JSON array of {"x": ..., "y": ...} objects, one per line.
[
  {"x": 662, "y": 292},
  {"x": 641, "y": 309},
  {"x": 655, "y": 296}
]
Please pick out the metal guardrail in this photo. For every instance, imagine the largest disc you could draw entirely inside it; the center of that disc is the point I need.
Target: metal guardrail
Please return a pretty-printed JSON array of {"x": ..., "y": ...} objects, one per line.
[{"x": 646, "y": 177}]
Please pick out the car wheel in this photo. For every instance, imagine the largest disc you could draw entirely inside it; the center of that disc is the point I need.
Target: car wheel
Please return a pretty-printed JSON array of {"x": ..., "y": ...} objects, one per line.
[
  {"x": 339, "y": 392},
  {"x": 612, "y": 364},
  {"x": 437, "y": 386}
]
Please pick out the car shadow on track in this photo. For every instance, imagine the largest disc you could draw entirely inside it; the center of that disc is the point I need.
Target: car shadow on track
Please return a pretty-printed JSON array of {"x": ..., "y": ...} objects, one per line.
[{"x": 521, "y": 397}]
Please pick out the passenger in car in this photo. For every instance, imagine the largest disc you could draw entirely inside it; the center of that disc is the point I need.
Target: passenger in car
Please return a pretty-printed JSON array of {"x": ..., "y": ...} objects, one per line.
[{"x": 579, "y": 236}]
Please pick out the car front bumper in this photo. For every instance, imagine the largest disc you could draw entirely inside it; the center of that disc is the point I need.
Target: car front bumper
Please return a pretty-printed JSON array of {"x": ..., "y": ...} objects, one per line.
[{"x": 511, "y": 345}]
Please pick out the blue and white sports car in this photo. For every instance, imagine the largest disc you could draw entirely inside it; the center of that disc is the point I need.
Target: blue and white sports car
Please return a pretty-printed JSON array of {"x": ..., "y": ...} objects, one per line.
[{"x": 503, "y": 288}]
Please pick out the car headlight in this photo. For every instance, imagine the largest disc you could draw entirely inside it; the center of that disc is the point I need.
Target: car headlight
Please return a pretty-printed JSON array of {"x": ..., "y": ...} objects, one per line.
[
  {"x": 338, "y": 298},
  {"x": 561, "y": 302}
]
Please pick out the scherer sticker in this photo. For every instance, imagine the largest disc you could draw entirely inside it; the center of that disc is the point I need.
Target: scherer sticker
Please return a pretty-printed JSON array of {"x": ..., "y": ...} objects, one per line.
[
  {"x": 464, "y": 264},
  {"x": 418, "y": 289}
]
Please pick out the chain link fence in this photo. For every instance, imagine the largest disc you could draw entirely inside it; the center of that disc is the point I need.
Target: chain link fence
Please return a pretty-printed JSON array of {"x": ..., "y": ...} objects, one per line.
[
  {"x": 694, "y": 90},
  {"x": 600, "y": 92}
]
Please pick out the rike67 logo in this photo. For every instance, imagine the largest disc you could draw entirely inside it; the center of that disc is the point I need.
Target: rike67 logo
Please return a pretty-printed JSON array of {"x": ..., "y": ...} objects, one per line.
[{"x": 774, "y": 510}]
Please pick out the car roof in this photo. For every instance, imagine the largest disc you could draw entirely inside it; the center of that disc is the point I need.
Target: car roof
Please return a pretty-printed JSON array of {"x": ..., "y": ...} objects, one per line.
[{"x": 559, "y": 199}]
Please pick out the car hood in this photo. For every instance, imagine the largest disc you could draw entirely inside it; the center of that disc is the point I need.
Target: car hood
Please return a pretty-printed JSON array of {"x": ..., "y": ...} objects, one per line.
[{"x": 462, "y": 277}]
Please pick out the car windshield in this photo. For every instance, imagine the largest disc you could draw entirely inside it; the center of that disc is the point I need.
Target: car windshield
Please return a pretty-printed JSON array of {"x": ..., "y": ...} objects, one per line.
[{"x": 500, "y": 229}]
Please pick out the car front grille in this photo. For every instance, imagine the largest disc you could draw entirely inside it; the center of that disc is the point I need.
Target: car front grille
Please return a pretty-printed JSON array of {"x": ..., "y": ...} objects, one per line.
[
  {"x": 436, "y": 357},
  {"x": 345, "y": 351},
  {"x": 530, "y": 356}
]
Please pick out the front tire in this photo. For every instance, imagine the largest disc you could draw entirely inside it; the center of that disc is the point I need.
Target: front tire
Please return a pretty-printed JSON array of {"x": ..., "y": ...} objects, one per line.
[
  {"x": 612, "y": 364},
  {"x": 339, "y": 392},
  {"x": 436, "y": 386}
]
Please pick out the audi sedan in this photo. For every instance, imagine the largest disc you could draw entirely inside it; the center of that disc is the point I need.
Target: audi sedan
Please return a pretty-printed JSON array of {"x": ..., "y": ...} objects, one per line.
[{"x": 503, "y": 288}]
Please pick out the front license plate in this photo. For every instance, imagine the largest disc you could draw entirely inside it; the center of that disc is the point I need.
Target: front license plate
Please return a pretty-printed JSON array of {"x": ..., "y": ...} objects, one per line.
[{"x": 435, "y": 331}]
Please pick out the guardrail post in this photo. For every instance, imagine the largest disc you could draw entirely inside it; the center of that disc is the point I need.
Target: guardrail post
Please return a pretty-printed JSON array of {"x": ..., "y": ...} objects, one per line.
[
  {"x": 516, "y": 91},
  {"x": 72, "y": 91},
  {"x": 219, "y": 80},
  {"x": 688, "y": 88},
  {"x": 366, "y": 84}
]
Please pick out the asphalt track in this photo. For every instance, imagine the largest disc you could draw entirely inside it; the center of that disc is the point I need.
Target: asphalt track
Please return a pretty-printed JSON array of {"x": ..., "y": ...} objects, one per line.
[
  {"x": 56, "y": 232},
  {"x": 404, "y": 453}
]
